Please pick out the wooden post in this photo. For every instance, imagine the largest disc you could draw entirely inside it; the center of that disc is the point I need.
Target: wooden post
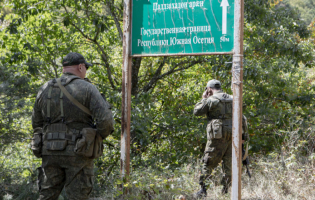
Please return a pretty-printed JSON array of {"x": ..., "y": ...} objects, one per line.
[
  {"x": 126, "y": 94},
  {"x": 237, "y": 83}
]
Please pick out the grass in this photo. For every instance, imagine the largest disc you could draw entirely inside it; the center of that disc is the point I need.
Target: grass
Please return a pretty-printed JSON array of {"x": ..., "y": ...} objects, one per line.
[
  {"x": 273, "y": 177},
  {"x": 284, "y": 174}
]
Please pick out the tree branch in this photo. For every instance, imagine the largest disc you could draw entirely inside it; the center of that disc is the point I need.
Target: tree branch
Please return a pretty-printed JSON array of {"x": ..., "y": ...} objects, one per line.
[
  {"x": 100, "y": 48},
  {"x": 76, "y": 27},
  {"x": 97, "y": 33},
  {"x": 155, "y": 77},
  {"x": 52, "y": 61},
  {"x": 105, "y": 59},
  {"x": 173, "y": 70},
  {"x": 113, "y": 14}
]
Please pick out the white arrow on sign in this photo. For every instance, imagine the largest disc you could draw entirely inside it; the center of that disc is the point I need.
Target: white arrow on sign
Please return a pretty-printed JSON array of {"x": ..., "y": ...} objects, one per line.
[{"x": 224, "y": 4}]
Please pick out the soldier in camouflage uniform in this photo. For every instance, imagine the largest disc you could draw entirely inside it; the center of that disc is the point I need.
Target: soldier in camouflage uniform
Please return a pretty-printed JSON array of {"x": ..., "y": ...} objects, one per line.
[
  {"x": 57, "y": 123},
  {"x": 217, "y": 106}
]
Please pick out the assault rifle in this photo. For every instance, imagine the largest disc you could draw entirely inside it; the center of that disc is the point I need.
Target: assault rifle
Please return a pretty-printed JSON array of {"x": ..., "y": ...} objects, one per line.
[{"x": 245, "y": 159}]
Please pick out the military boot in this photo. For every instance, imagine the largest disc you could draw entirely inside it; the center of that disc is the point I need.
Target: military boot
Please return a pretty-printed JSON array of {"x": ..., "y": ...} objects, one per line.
[{"x": 202, "y": 193}]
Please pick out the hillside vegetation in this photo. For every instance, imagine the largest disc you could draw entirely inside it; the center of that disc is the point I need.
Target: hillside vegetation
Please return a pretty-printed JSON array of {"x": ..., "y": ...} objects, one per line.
[{"x": 306, "y": 8}]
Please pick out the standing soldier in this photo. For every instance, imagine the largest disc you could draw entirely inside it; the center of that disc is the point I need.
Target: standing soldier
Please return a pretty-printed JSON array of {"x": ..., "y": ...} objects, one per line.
[
  {"x": 217, "y": 106},
  {"x": 70, "y": 119}
]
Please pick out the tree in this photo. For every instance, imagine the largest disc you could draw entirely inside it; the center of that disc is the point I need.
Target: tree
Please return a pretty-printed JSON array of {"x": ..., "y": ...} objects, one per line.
[
  {"x": 164, "y": 89},
  {"x": 305, "y": 7}
]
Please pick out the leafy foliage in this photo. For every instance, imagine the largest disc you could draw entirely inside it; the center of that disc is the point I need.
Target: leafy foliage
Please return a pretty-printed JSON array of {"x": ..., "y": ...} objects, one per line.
[
  {"x": 306, "y": 8},
  {"x": 15, "y": 104}
]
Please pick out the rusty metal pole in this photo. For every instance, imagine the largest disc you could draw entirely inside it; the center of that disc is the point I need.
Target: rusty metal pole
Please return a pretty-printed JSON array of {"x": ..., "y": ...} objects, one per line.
[
  {"x": 237, "y": 83},
  {"x": 126, "y": 94}
]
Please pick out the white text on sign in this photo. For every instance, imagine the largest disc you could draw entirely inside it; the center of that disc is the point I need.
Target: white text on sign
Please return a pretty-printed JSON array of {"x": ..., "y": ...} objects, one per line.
[
  {"x": 175, "y": 41},
  {"x": 174, "y": 6},
  {"x": 166, "y": 31}
]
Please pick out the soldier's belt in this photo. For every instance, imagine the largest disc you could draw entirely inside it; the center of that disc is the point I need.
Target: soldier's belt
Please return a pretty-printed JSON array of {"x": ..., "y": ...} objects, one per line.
[{"x": 64, "y": 136}]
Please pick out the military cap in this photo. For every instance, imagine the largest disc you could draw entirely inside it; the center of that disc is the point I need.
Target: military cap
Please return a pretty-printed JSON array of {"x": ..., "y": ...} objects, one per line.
[
  {"x": 214, "y": 84},
  {"x": 74, "y": 58}
]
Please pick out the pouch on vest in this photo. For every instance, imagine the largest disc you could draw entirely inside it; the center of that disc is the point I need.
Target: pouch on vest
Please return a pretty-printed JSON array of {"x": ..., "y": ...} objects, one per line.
[
  {"x": 36, "y": 144},
  {"x": 217, "y": 128},
  {"x": 209, "y": 131},
  {"x": 98, "y": 146},
  {"x": 90, "y": 145},
  {"x": 85, "y": 145},
  {"x": 56, "y": 137}
]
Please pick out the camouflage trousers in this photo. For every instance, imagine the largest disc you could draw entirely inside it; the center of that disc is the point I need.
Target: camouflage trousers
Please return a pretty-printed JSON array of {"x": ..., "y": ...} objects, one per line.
[
  {"x": 217, "y": 150},
  {"x": 73, "y": 173}
]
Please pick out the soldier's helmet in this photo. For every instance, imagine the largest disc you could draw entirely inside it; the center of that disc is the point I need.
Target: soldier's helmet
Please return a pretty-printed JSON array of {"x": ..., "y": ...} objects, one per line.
[
  {"x": 74, "y": 58},
  {"x": 214, "y": 84}
]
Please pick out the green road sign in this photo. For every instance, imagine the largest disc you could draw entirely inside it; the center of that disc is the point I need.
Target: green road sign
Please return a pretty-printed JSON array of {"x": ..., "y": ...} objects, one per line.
[{"x": 170, "y": 27}]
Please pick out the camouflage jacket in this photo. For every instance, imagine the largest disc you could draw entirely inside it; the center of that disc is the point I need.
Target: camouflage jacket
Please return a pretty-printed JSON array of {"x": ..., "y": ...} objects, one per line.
[
  {"x": 211, "y": 107},
  {"x": 84, "y": 92}
]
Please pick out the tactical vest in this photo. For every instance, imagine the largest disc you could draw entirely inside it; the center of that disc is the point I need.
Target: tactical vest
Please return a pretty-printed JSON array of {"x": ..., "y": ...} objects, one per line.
[
  {"x": 58, "y": 139},
  {"x": 224, "y": 109},
  {"x": 220, "y": 117}
]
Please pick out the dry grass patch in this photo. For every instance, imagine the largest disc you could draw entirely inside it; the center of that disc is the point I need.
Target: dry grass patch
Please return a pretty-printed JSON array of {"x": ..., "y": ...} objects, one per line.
[{"x": 273, "y": 177}]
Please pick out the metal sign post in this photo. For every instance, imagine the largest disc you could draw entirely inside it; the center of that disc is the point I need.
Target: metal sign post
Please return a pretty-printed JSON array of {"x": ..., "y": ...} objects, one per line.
[
  {"x": 237, "y": 81},
  {"x": 126, "y": 95}
]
